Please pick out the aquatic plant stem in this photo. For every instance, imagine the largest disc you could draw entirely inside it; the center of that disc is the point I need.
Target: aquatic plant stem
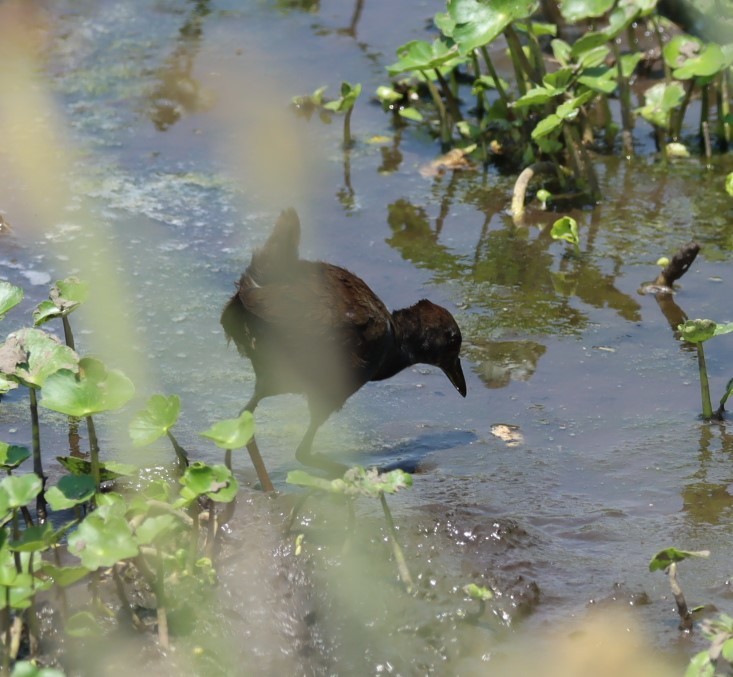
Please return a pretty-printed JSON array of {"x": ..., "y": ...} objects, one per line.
[
  {"x": 259, "y": 464},
  {"x": 724, "y": 108},
  {"x": 707, "y": 407},
  {"x": 348, "y": 141},
  {"x": 480, "y": 99},
  {"x": 492, "y": 72},
  {"x": 627, "y": 119},
  {"x": 444, "y": 129},
  {"x": 160, "y": 600},
  {"x": 37, "y": 461},
  {"x": 679, "y": 597},
  {"x": 517, "y": 51},
  {"x": 450, "y": 99},
  {"x": 68, "y": 334},
  {"x": 181, "y": 453},
  {"x": 520, "y": 188},
  {"x": 93, "y": 451},
  {"x": 396, "y": 549}
]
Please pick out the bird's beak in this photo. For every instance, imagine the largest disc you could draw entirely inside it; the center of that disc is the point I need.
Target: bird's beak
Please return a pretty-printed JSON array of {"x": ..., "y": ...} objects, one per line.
[{"x": 454, "y": 372}]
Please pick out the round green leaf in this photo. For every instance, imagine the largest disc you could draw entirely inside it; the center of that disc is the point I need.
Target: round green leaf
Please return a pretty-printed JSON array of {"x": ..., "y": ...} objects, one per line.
[
  {"x": 665, "y": 557},
  {"x": 97, "y": 389},
  {"x": 357, "y": 481},
  {"x": 100, "y": 542},
  {"x": 31, "y": 356},
  {"x": 64, "y": 576},
  {"x": 108, "y": 471},
  {"x": 721, "y": 329},
  {"x": 45, "y": 311},
  {"x": 83, "y": 624},
  {"x": 155, "y": 527},
  {"x": 546, "y": 126},
  {"x": 577, "y": 10},
  {"x": 388, "y": 94},
  {"x": 10, "y": 296},
  {"x": 11, "y": 455},
  {"x": 566, "y": 229},
  {"x": 231, "y": 433},
  {"x": 29, "y": 669},
  {"x": 697, "y": 331},
  {"x": 35, "y": 538},
  {"x": 411, "y": 114},
  {"x": 659, "y": 101},
  {"x": 216, "y": 481},
  {"x": 159, "y": 415},
  {"x": 419, "y": 55},
  {"x": 71, "y": 490},
  {"x": 21, "y": 489},
  {"x": 478, "y": 23},
  {"x": 6, "y": 384},
  {"x": 478, "y": 592}
]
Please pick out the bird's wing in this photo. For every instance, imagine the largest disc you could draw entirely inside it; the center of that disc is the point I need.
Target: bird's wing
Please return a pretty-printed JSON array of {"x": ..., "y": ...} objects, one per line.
[{"x": 322, "y": 302}]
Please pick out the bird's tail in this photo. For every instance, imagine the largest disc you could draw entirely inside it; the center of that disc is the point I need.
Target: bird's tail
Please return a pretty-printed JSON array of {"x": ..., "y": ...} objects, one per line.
[
  {"x": 277, "y": 258},
  {"x": 271, "y": 263}
]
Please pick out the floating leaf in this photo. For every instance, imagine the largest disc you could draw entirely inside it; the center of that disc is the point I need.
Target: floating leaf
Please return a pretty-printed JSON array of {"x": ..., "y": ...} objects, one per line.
[
  {"x": 97, "y": 389},
  {"x": 216, "y": 481},
  {"x": 71, "y": 490},
  {"x": 665, "y": 557},
  {"x": 31, "y": 355},
  {"x": 11, "y": 455},
  {"x": 721, "y": 329},
  {"x": 159, "y": 415},
  {"x": 102, "y": 542},
  {"x": 10, "y": 296},
  {"x": 232, "y": 433},
  {"x": 357, "y": 481}
]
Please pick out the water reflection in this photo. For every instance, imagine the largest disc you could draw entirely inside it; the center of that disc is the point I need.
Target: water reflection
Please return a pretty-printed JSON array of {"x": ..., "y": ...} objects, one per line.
[
  {"x": 177, "y": 91},
  {"x": 708, "y": 499}
]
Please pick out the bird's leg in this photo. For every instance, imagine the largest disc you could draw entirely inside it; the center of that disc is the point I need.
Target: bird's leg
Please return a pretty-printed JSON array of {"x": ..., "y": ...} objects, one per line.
[
  {"x": 316, "y": 460},
  {"x": 254, "y": 452}
]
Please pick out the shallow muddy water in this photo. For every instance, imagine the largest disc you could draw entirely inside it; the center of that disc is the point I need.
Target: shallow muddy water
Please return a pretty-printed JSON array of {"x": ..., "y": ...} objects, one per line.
[{"x": 183, "y": 151}]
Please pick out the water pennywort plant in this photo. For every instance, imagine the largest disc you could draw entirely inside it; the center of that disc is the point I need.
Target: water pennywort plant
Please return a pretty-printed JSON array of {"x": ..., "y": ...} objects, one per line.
[{"x": 697, "y": 332}]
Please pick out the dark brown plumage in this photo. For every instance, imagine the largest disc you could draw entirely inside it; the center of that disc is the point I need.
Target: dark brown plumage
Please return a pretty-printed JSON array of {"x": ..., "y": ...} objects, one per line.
[{"x": 314, "y": 328}]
